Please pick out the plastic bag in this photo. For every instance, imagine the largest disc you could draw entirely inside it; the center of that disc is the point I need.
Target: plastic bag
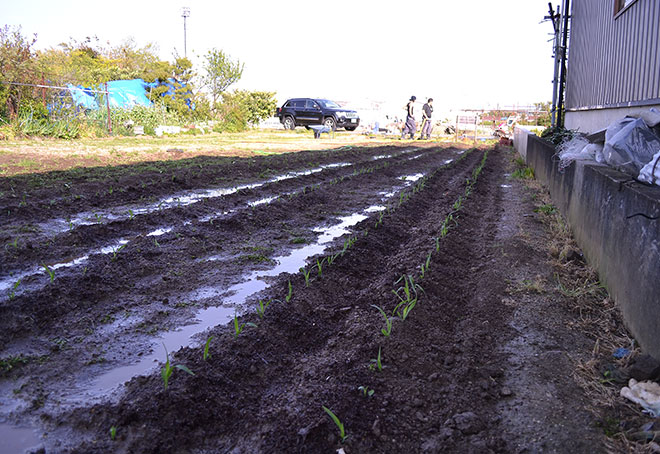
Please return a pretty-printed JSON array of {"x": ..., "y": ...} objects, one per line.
[
  {"x": 644, "y": 393},
  {"x": 629, "y": 145},
  {"x": 650, "y": 173},
  {"x": 578, "y": 148}
]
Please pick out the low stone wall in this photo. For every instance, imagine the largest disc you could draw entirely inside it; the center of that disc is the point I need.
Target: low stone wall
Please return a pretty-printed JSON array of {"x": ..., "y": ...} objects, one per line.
[{"x": 608, "y": 214}]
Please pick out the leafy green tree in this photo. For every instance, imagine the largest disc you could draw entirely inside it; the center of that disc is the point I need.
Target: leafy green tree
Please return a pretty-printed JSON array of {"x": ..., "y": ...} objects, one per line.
[
  {"x": 221, "y": 73},
  {"x": 17, "y": 64},
  {"x": 242, "y": 108}
]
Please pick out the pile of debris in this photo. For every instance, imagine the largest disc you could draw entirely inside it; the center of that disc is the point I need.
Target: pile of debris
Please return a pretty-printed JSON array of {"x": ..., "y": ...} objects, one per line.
[{"x": 630, "y": 145}]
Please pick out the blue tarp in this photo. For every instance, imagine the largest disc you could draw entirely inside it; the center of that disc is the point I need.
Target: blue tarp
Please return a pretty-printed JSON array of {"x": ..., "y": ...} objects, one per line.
[{"x": 124, "y": 94}]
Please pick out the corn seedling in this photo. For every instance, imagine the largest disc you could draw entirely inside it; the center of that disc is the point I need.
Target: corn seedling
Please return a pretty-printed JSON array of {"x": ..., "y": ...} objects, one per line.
[
  {"x": 366, "y": 391},
  {"x": 437, "y": 244},
  {"x": 338, "y": 423},
  {"x": 240, "y": 327},
  {"x": 319, "y": 266},
  {"x": 290, "y": 294},
  {"x": 13, "y": 289},
  {"x": 388, "y": 322},
  {"x": 407, "y": 295},
  {"x": 156, "y": 243},
  {"x": 262, "y": 306},
  {"x": 116, "y": 251},
  {"x": 50, "y": 272},
  {"x": 113, "y": 433},
  {"x": 375, "y": 363},
  {"x": 130, "y": 214},
  {"x": 206, "y": 348},
  {"x": 306, "y": 273},
  {"x": 166, "y": 372}
]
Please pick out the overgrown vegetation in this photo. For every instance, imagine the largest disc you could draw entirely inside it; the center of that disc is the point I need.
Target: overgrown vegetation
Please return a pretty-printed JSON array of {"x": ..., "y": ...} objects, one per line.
[{"x": 36, "y": 89}]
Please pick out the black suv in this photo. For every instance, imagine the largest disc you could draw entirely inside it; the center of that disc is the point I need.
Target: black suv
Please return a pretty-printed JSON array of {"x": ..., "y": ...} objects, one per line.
[{"x": 312, "y": 111}]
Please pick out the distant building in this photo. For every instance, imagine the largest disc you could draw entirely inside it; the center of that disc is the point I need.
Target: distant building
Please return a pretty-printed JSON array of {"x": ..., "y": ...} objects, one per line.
[{"x": 613, "y": 61}]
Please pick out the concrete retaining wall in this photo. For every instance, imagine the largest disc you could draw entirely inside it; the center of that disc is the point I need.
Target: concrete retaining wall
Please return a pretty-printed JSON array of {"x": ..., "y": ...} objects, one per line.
[{"x": 597, "y": 202}]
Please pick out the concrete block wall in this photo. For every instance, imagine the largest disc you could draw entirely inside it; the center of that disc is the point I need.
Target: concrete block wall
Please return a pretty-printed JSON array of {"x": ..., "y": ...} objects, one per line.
[{"x": 598, "y": 203}]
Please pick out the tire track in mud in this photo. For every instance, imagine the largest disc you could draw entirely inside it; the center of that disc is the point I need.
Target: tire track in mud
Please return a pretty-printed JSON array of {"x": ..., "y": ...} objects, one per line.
[{"x": 310, "y": 352}]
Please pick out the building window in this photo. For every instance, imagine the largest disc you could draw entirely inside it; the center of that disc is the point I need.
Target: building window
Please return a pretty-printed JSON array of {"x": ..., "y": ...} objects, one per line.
[{"x": 620, "y": 5}]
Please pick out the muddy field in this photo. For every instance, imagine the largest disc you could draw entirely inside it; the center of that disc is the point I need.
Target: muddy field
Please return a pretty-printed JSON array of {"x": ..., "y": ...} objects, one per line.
[{"x": 390, "y": 285}]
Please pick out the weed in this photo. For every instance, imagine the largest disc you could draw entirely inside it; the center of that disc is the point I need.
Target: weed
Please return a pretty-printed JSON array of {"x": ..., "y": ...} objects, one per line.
[
  {"x": 388, "y": 322},
  {"x": 366, "y": 391},
  {"x": 306, "y": 273},
  {"x": 50, "y": 272},
  {"x": 9, "y": 363},
  {"x": 375, "y": 363},
  {"x": 206, "y": 348},
  {"x": 338, "y": 423},
  {"x": 290, "y": 294},
  {"x": 546, "y": 209}
]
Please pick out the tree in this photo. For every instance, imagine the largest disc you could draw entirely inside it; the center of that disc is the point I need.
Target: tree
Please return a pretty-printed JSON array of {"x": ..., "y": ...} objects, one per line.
[
  {"x": 17, "y": 64},
  {"x": 221, "y": 73}
]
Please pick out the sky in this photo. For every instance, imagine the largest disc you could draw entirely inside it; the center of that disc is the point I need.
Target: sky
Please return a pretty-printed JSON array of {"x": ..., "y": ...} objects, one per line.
[{"x": 464, "y": 54}]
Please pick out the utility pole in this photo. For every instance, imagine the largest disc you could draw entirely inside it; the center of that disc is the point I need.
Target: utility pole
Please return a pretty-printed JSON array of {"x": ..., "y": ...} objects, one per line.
[
  {"x": 556, "y": 24},
  {"x": 185, "y": 13}
]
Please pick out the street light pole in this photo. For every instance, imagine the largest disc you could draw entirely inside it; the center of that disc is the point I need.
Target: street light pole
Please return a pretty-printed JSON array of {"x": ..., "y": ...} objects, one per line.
[{"x": 185, "y": 13}]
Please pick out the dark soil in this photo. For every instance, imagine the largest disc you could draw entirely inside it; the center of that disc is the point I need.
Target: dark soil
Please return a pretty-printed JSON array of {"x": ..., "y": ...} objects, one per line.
[{"x": 483, "y": 363}]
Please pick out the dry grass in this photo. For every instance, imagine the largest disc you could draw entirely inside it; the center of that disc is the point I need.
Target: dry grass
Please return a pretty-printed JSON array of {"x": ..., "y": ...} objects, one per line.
[{"x": 597, "y": 316}]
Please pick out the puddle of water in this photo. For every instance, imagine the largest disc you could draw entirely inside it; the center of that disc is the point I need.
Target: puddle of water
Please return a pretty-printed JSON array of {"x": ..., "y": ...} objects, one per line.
[
  {"x": 17, "y": 440},
  {"x": 185, "y": 199},
  {"x": 159, "y": 232},
  {"x": 234, "y": 297},
  {"x": 381, "y": 156},
  {"x": 375, "y": 209},
  {"x": 262, "y": 201},
  {"x": 411, "y": 178},
  {"x": 9, "y": 281},
  {"x": 505, "y": 185}
]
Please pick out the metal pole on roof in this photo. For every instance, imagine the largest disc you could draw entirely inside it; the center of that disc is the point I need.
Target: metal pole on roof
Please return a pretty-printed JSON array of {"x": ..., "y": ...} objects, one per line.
[{"x": 185, "y": 13}]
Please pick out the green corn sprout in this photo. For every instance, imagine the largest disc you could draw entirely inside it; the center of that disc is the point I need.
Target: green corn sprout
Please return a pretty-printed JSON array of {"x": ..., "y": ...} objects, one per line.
[
  {"x": 437, "y": 244},
  {"x": 306, "y": 273},
  {"x": 156, "y": 243},
  {"x": 113, "y": 432},
  {"x": 376, "y": 362},
  {"x": 206, "y": 348},
  {"x": 130, "y": 214},
  {"x": 50, "y": 272},
  {"x": 239, "y": 328},
  {"x": 166, "y": 372},
  {"x": 290, "y": 294},
  {"x": 428, "y": 261},
  {"x": 116, "y": 251},
  {"x": 338, "y": 423},
  {"x": 388, "y": 322},
  {"x": 13, "y": 289},
  {"x": 261, "y": 308},
  {"x": 319, "y": 266}
]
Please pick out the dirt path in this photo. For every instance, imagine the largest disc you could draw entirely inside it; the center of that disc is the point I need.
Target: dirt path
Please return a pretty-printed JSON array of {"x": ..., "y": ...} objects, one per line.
[{"x": 482, "y": 362}]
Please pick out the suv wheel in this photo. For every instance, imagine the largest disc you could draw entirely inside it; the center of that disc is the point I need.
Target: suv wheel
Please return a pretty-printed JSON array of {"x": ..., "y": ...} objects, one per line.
[
  {"x": 289, "y": 122},
  {"x": 330, "y": 123}
]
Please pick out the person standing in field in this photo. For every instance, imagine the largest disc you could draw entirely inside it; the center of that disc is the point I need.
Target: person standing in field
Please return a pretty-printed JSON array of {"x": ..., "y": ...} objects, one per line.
[
  {"x": 410, "y": 127},
  {"x": 427, "y": 126}
]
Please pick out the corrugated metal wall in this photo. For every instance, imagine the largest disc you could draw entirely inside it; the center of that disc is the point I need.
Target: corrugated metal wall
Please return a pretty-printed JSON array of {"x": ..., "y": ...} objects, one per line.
[{"x": 613, "y": 62}]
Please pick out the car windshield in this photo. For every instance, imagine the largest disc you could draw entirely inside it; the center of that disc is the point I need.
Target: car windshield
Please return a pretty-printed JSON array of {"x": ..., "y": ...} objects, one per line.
[{"x": 328, "y": 104}]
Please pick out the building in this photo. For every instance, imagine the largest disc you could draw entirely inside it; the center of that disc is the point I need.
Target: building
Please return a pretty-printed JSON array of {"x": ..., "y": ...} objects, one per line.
[{"x": 613, "y": 61}]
